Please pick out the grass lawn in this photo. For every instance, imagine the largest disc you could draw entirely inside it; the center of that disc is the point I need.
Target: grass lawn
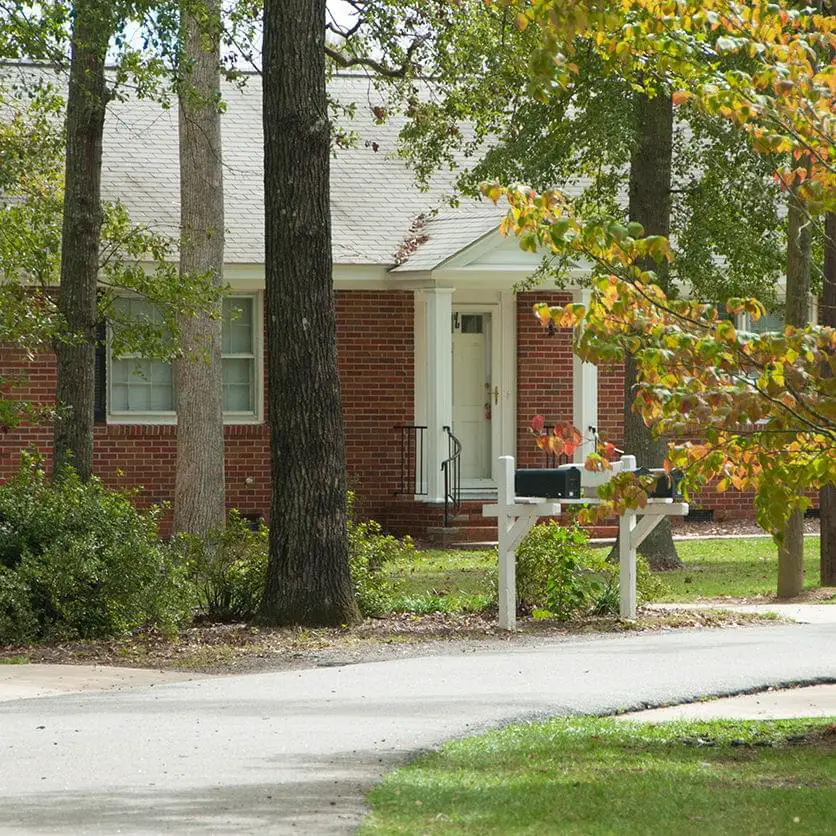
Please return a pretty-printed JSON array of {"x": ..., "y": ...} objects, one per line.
[
  {"x": 605, "y": 776},
  {"x": 740, "y": 568},
  {"x": 436, "y": 580},
  {"x": 461, "y": 581}
]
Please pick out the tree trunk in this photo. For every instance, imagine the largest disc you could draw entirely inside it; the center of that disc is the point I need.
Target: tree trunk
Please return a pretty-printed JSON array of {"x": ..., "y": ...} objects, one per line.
[
  {"x": 650, "y": 205},
  {"x": 198, "y": 374},
  {"x": 827, "y": 495},
  {"x": 791, "y": 550},
  {"x": 791, "y": 557},
  {"x": 81, "y": 233},
  {"x": 308, "y": 576}
]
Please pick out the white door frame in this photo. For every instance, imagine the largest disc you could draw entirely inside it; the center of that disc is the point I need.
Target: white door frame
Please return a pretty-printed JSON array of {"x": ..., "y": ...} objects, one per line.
[
  {"x": 502, "y": 400},
  {"x": 502, "y": 308}
]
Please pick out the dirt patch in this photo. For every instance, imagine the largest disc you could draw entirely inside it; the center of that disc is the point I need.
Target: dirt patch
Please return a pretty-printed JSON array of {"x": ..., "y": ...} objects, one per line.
[{"x": 238, "y": 648}]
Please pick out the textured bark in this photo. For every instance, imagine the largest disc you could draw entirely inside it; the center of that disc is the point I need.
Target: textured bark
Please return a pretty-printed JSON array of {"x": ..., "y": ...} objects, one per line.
[
  {"x": 81, "y": 234},
  {"x": 827, "y": 495},
  {"x": 791, "y": 558},
  {"x": 650, "y": 205},
  {"x": 198, "y": 374},
  {"x": 791, "y": 550},
  {"x": 308, "y": 576}
]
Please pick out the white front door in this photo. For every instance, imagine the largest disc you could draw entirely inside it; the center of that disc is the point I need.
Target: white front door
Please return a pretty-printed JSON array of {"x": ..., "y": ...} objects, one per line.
[{"x": 472, "y": 394}]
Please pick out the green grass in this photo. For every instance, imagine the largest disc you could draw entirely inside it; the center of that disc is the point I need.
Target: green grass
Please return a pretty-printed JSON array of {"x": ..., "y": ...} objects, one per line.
[
  {"x": 443, "y": 581},
  {"x": 605, "y": 776},
  {"x": 462, "y": 581},
  {"x": 14, "y": 660},
  {"x": 736, "y": 568}
]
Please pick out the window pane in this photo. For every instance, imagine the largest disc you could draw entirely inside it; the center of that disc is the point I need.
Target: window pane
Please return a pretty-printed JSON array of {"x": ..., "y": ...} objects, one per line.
[
  {"x": 118, "y": 397},
  {"x": 139, "y": 398},
  {"x": 141, "y": 386},
  {"x": 238, "y": 385},
  {"x": 237, "y": 326}
]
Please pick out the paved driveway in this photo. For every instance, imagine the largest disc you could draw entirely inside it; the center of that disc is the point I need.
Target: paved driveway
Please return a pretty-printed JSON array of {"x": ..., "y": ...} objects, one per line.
[{"x": 294, "y": 752}]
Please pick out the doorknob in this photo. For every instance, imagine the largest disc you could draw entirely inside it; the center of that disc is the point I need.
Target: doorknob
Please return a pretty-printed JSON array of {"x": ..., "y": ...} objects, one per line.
[{"x": 496, "y": 395}]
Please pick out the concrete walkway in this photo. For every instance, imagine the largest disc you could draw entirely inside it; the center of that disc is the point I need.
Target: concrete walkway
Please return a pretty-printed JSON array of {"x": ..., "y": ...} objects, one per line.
[
  {"x": 19, "y": 682},
  {"x": 784, "y": 703},
  {"x": 800, "y": 613},
  {"x": 296, "y": 751}
]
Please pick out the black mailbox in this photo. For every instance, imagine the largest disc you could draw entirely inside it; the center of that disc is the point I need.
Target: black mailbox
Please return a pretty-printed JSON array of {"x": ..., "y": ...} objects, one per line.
[
  {"x": 549, "y": 483},
  {"x": 668, "y": 485}
]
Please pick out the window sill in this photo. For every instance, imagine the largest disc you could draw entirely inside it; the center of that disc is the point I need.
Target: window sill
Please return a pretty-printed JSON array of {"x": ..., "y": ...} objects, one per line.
[{"x": 169, "y": 420}]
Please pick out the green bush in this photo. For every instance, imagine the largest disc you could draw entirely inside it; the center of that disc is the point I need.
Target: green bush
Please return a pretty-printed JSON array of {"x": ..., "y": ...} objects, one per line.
[
  {"x": 18, "y": 622},
  {"x": 558, "y": 572},
  {"x": 552, "y": 570},
  {"x": 81, "y": 560},
  {"x": 369, "y": 550},
  {"x": 228, "y": 571}
]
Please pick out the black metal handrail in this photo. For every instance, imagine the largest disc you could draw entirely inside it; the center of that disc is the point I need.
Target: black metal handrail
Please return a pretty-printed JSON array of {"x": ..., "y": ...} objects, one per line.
[
  {"x": 552, "y": 459},
  {"x": 412, "y": 460},
  {"x": 451, "y": 467}
]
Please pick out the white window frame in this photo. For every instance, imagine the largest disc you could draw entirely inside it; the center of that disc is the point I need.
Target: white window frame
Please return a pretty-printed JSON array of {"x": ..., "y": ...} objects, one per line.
[{"x": 230, "y": 418}]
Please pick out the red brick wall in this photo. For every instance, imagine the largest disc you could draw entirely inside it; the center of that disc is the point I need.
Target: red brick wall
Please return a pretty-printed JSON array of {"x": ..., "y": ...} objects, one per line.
[
  {"x": 375, "y": 339},
  {"x": 544, "y": 374},
  {"x": 376, "y": 342},
  {"x": 611, "y": 403},
  {"x": 376, "y": 357}
]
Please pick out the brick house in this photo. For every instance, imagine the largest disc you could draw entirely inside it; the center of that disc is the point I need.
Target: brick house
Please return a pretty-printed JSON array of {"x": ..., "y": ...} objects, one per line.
[{"x": 433, "y": 340}]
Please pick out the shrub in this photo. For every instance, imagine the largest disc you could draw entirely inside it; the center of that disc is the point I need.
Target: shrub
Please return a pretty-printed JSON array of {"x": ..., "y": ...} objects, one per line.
[
  {"x": 18, "y": 623},
  {"x": 228, "y": 571},
  {"x": 369, "y": 550},
  {"x": 85, "y": 560},
  {"x": 558, "y": 572},
  {"x": 649, "y": 587}
]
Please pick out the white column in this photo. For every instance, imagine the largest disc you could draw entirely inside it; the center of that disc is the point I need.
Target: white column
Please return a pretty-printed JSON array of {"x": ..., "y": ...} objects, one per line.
[
  {"x": 584, "y": 392},
  {"x": 439, "y": 385}
]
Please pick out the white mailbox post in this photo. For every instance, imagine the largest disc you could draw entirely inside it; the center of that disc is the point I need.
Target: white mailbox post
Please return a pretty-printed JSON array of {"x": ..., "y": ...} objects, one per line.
[
  {"x": 517, "y": 515},
  {"x": 515, "y": 520}
]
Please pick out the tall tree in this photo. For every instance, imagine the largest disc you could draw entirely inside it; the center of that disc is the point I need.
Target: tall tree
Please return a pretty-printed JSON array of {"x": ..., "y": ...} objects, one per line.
[
  {"x": 308, "y": 575},
  {"x": 92, "y": 26},
  {"x": 198, "y": 373},
  {"x": 797, "y": 314},
  {"x": 827, "y": 495},
  {"x": 650, "y": 205}
]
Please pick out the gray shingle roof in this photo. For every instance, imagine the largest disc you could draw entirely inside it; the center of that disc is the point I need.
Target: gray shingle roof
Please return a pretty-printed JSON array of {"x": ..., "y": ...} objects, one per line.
[{"x": 374, "y": 199}]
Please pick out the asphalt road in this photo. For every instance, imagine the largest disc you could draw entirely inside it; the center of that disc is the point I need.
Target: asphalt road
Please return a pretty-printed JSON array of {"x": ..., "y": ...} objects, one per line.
[{"x": 295, "y": 751}]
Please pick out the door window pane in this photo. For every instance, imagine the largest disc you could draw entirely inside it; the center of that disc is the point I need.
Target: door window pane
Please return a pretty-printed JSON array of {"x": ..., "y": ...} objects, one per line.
[{"x": 472, "y": 323}]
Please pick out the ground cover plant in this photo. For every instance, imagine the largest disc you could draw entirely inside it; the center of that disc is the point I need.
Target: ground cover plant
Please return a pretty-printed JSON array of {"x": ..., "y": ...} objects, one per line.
[
  {"x": 442, "y": 580},
  {"x": 604, "y": 775}
]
